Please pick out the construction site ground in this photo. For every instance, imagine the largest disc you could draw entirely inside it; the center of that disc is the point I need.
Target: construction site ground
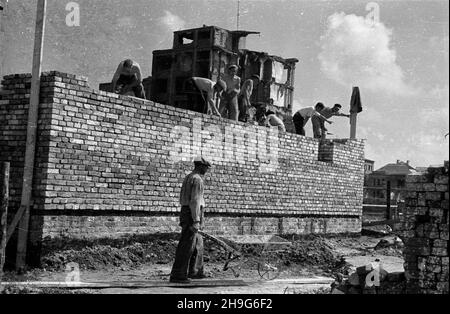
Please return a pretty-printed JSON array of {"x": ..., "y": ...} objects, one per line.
[{"x": 142, "y": 265}]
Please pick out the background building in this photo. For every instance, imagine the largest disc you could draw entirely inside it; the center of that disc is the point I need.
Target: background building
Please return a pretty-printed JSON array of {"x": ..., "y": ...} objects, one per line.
[{"x": 376, "y": 182}]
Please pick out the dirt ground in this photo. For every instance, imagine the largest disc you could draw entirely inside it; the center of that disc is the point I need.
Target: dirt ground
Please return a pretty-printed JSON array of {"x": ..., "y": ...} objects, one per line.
[{"x": 320, "y": 259}]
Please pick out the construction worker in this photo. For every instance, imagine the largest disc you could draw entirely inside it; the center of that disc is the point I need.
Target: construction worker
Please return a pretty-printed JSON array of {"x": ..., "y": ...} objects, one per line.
[
  {"x": 245, "y": 95},
  {"x": 229, "y": 103},
  {"x": 128, "y": 78},
  {"x": 212, "y": 90},
  {"x": 189, "y": 254},
  {"x": 272, "y": 120},
  {"x": 319, "y": 129},
  {"x": 302, "y": 117}
]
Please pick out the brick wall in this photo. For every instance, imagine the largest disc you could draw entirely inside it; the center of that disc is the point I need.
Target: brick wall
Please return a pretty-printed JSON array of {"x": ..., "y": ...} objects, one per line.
[
  {"x": 108, "y": 163},
  {"x": 425, "y": 232}
]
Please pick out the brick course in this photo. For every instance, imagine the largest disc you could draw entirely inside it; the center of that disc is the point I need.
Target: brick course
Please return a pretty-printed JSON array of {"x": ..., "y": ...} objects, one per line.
[{"x": 104, "y": 155}]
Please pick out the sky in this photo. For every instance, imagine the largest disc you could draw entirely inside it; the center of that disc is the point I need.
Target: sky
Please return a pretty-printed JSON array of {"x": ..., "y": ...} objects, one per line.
[{"x": 395, "y": 51}]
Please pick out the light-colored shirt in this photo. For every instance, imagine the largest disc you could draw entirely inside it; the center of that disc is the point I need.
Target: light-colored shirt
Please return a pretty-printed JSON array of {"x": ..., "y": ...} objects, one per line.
[
  {"x": 308, "y": 112},
  {"x": 247, "y": 88},
  {"x": 135, "y": 69},
  {"x": 192, "y": 194},
  {"x": 275, "y": 121}
]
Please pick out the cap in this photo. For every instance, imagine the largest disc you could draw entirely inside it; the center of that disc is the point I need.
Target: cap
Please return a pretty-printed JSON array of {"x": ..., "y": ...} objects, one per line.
[
  {"x": 202, "y": 161},
  {"x": 338, "y": 105},
  {"x": 256, "y": 76},
  {"x": 233, "y": 66}
]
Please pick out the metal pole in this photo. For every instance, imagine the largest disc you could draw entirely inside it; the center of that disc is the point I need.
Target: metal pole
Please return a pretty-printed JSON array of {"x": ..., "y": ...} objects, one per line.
[
  {"x": 4, "y": 199},
  {"x": 31, "y": 134}
]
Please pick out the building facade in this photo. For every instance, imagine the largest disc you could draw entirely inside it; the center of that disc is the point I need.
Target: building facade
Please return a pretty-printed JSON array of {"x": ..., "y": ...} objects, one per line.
[{"x": 376, "y": 182}]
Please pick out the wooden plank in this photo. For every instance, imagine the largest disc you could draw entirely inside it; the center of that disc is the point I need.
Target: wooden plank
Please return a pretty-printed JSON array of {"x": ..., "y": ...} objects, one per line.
[
  {"x": 4, "y": 199},
  {"x": 353, "y": 122},
  {"x": 31, "y": 134},
  {"x": 389, "y": 222},
  {"x": 12, "y": 226},
  {"x": 304, "y": 281},
  {"x": 132, "y": 284}
]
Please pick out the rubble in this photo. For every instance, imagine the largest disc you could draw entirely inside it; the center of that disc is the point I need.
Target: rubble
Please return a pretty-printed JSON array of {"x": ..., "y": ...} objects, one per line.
[{"x": 371, "y": 279}]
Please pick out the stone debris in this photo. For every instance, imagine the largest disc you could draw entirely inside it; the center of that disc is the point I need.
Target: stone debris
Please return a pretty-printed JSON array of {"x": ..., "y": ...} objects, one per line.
[{"x": 371, "y": 279}]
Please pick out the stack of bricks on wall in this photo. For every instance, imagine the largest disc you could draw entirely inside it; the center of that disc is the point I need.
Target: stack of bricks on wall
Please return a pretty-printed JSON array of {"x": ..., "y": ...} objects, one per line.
[
  {"x": 425, "y": 232},
  {"x": 109, "y": 165}
]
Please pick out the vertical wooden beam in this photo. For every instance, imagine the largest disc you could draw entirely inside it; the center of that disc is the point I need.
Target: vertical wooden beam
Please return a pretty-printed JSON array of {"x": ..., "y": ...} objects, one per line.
[
  {"x": 388, "y": 200},
  {"x": 31, "y": 134},
  {"x": 353, "y": 120},
  {"x": 4, "y": 199}
]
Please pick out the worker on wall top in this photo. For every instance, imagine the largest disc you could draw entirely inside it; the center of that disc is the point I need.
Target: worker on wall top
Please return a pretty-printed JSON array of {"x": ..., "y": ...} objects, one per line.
[
  {"x": 127, "y": 79},
  {"x": 229, "y": 105}
]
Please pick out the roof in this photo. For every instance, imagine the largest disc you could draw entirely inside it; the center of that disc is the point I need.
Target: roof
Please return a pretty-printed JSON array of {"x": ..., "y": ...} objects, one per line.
[
  {"x": 399, "y": 168},
  {"x": 240, "y": 33}
]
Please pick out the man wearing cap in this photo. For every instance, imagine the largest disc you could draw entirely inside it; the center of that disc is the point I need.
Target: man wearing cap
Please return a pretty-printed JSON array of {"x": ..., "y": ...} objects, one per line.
[
  {"x": 189, "y": 255},
  {"x": 244, "y": 96},
  {"x": 319, "y": 128},
  {"x": 229, "y": 107},
  {"x": 212, "y": 90}
]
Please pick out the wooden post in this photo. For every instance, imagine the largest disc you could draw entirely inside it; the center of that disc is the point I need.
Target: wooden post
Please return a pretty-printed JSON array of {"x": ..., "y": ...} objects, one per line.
[
  {"x": 353, "y": 120},
  {"x": 355, "y": 107},
  {"x": 31, "y": 135},
  {"x": 388, "y": 200},
  {"x": 4, "y": 199}
]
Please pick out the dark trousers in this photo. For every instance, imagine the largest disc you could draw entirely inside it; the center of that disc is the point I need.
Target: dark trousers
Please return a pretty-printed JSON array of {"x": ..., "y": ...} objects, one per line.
[
  {"x": 189, "y": 254},
  {"x": 126, "y": 80},
  {"x": 194, "y": 93},
  {"x": 299, "y": 123}
]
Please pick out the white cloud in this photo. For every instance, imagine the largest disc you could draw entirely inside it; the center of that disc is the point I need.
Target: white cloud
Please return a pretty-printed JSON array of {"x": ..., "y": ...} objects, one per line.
[
  {"x": 357, "y": 52},
  {"x": 172, "y": 22}
]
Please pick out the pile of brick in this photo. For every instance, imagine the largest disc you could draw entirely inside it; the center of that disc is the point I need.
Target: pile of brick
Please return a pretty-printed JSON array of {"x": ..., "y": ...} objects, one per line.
[
  {"x": 424, "y": 231},
  {"x": 371, "y": 279}
]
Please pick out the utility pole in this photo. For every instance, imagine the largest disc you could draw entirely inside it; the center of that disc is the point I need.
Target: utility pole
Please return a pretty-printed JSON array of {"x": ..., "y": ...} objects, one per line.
[
  {"x": 238, "y": 13},
  {"x": 31, "y": 136}
]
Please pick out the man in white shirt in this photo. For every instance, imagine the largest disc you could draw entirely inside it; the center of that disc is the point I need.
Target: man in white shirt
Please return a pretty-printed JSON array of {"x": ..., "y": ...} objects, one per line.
[
  {"x": 319, "y": 128},
  {"x": 212, "y": 90},
  {"x": 128, "y": 78},
  {"x": 302, "y": 117},
  {"x": 272, "y": 120},
  {"x": 189, "y": 254}
]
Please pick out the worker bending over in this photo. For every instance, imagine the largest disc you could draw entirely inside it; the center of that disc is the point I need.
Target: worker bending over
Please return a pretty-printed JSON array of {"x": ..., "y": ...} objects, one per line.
[
  {"x": 210, "y": 91},
  {"x": 272, "y": 120},
  {"x": 302, "y": 117},
  {"x": 128, "y": 78}
]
